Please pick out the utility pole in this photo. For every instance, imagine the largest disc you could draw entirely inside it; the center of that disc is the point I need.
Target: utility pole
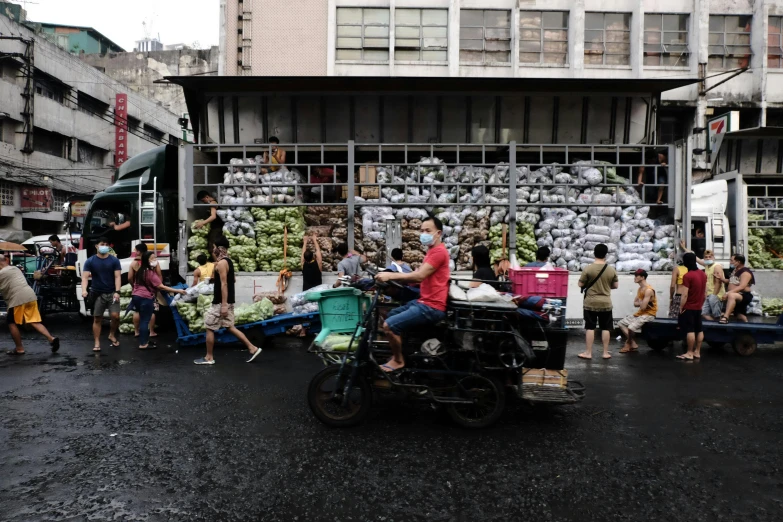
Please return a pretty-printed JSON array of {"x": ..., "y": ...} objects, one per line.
[{"x": 28, "y": 73}]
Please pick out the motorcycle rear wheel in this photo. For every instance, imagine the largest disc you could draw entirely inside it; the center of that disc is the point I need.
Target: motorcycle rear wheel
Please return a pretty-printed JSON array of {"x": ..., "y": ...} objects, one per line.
[
  {"x": 489, "y": 402},
  {"x": 330, "y": 410}
]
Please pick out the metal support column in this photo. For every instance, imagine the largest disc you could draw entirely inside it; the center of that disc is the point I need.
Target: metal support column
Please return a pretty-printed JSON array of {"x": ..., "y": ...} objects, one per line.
[
  {"x": 351, "y": 193},
  {"x": 512, "y": 202}
]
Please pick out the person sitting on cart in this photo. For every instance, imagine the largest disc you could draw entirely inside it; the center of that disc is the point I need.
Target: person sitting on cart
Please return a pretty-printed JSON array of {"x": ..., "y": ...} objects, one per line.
[
  {"x": 482, "y": 268},
  {"x": 430, "y": 308},
  {"x": 397, "y": 264},
  {"x": 204, "y": 271},
  {"x": 350, "y": 263},
  {"x": 647, "y": 302},
  {"x": 542, "y": 258},
  {"x": 739, "y": 295}
]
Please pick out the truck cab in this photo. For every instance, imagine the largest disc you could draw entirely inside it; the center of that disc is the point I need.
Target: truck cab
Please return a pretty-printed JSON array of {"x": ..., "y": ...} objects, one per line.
[{"x": 144, "y": 194}]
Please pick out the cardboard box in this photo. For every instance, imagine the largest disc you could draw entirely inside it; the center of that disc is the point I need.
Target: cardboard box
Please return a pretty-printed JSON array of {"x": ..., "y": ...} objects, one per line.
[
  {"x": 543, "y": 377},
  {"x": 370, "y": 192},
  {"x": 367, "y": 174}
]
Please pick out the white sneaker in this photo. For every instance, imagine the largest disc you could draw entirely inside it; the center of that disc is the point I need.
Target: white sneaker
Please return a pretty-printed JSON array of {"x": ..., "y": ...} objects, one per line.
[{"x": 256, "y": 354}]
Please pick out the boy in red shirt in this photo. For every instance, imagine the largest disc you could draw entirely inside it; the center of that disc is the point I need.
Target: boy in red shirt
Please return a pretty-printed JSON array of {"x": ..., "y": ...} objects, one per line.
[
  {"x": 694, "y": 289},
  {"x": 434, "y": 275}
]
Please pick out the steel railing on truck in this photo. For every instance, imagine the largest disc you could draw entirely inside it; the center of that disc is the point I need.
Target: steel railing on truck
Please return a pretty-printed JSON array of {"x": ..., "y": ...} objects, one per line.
[{"x": 207, "y": 164}]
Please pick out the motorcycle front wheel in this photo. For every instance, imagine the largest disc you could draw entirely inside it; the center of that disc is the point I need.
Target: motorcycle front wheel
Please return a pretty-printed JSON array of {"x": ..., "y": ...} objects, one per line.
[
  {"x": 488, "y": 402},
  {"x": 325, "y": 395}
]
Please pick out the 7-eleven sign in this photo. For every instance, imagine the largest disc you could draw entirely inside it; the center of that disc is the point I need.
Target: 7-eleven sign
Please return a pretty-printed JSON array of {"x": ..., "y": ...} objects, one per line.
[{"x": 717, "y": 127}]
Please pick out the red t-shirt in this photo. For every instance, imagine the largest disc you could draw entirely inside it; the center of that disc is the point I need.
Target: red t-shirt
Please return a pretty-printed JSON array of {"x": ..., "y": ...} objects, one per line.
[
  {"x": 435, "y": 289},
  {"x": 696, "y": 283}
]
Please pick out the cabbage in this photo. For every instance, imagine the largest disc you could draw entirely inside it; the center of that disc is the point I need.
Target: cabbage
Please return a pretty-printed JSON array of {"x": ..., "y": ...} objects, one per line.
[
  {"x": 126, "y": 291},
  {"x": 201, "y": 232}
]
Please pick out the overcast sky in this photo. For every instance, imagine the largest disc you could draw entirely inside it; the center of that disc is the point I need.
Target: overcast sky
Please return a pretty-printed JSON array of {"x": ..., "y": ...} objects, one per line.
[{"x": 177, "y": 21}]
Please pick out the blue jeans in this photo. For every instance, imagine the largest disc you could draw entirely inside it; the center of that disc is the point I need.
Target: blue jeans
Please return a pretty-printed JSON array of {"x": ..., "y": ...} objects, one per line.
[
  {"x": 411, "y": 315},
  {"x": 145, "y": 307}
]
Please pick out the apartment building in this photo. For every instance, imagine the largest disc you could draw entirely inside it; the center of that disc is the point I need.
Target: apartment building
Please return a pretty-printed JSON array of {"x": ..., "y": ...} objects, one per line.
[{"x": 57, "y": 127}]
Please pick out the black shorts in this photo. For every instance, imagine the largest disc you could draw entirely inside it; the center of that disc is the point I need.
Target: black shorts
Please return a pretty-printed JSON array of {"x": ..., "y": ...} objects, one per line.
[
  {"x": 690, "y": 321},
  {"x": 603, "y": 320},
  {"x": 742, "y": 306}
]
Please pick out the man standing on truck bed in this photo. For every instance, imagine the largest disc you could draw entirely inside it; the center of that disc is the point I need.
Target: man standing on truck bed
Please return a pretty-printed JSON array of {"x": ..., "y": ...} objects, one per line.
[
  {"x": 739, "y": 295},
  {"x": 22, "y": 305},
  {"x": 597, "y": 282},
  {"x": 216, "y": 229},
  {"x": 104, "y": 294},
  {"x": 221, "y": 313}
]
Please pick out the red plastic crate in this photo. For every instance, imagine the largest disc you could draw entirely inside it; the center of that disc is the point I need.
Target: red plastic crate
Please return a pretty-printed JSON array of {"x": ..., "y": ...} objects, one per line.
[{"x": 537, "y": 282}]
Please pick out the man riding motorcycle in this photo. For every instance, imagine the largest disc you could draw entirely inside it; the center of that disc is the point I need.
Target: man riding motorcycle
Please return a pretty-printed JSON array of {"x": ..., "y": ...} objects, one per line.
[{"x": 430, "y": 308}]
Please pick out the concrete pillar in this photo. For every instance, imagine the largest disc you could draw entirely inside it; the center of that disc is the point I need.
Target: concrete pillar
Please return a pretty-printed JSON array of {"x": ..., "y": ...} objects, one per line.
[
  {"x": 331, "y": 36},
  {"x": 576, "y": 37},
  {"x": 637, "y": 38},
  {"x": 222, "y": 40},
  {"x": 392, "y": 38},
  {"x": 454, "y": 21}
]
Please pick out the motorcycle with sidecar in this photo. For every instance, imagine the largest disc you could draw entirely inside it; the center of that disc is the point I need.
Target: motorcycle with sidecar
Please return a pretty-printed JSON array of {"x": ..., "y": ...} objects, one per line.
[{"x": 465, "y": 364}]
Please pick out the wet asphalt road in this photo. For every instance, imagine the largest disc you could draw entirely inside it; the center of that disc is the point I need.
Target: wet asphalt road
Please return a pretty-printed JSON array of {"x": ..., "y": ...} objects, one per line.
[{"x": 138, "y": 435}]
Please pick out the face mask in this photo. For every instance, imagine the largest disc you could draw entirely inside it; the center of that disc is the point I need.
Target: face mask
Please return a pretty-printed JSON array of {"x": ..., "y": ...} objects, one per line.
[
  {"x": 153, "y": 264},
  {"x": 732, "y": 266},
  {"x": 709, "y": 262},
  {"x": 103, "y": 249},
  {"x": 426, "y": 239}
]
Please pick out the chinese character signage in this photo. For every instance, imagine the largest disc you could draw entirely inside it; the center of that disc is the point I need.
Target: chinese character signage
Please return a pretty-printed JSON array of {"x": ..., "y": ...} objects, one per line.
[
  {"x": 121, "y": 130},
  {"x": 37, "y": 199},
  {"x": 79, "y": 208}
]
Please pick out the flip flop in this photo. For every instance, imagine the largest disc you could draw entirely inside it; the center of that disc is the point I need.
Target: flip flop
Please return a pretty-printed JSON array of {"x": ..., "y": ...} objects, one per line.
[
  {"x": 683, "y": 358},
  {"x": 150, "y": 346},
  {"x": 96, "y": 348},
  {"x": 114, "y": 344},
  {"x": 388, "y": 369},
  {"x": 55, "y": 344},
  {"x": 255, "y": 354},
  {"x": 583, "y": 356},
  {"x": 723, "y": 320},
  {"x": 608, "y": 356},
  {"x": 14, "y": 352},
  {"x": 629, "y": 351}
]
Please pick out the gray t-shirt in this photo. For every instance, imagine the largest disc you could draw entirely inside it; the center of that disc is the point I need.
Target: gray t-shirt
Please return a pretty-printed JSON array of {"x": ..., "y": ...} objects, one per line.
[{"x": 350, "y": 266}]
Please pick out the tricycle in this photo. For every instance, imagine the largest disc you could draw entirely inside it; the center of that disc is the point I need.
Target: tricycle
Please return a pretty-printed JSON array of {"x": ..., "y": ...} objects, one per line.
[
  {"x": 743, "y": 337},
  {"x": 465, "y": 364}
]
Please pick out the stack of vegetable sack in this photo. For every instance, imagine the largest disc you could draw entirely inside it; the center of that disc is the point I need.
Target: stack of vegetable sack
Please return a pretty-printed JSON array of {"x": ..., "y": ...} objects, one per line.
[
  {"x": 197, "y": 244},
  {"x": 275, "y": 228},
  {"x": 329, "y": 224},
  {"x": 126, "y": 322}
]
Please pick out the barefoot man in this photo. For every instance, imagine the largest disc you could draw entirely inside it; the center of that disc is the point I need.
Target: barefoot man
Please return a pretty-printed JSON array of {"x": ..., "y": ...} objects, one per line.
[
  {"x": 597, "y": 282},
  {"x": 648, "y": 307}
]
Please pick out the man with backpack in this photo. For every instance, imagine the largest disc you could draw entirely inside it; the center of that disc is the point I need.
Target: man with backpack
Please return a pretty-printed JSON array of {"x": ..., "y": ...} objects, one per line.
[{"x": 597, "y": 282}]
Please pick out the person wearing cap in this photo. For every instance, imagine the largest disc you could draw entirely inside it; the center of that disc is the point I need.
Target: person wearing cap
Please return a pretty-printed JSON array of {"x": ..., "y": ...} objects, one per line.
[{"x": 648, "y": 308}]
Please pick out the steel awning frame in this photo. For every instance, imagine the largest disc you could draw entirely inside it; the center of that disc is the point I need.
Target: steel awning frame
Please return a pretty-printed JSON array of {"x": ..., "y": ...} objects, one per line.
[{"x": 199, "y": 89}]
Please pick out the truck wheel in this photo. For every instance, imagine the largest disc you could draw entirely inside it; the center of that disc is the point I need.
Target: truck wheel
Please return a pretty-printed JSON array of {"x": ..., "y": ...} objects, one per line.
[
  {"x": 657, "y": 344},
  {"x": 744, "y": 344}
]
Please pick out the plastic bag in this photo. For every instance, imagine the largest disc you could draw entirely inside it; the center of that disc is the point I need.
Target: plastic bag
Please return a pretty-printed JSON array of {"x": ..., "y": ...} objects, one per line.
[{"x": 483, "y": 293}]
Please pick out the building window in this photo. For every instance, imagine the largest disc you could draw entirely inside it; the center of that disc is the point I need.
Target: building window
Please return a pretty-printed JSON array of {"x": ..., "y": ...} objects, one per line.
[
  {"x": 50, "y": 143},
  {"x": 421, "y": 35},
  {"x": 153, "y": 133},
  {"x": 7, "y": 192},
  {"x": 774, "y": 44},
  {"x": 543, "y": 37},
  {"x": 91, "y": 155},
  {"x": 47, "y": 90},
  {"x": 485, "y": 36},
  {"x": 60, "y": 199},
  {"x": 607, "y": 38},
  {"x": 666, "y": 39},
  {"x": 90, "y": 105},
  {"x": 362, "y": 34},
  {"x": 729, "y": 46}
]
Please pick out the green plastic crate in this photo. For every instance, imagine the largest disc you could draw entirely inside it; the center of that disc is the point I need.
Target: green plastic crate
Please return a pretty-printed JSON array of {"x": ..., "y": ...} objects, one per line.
[{"x": 341, "y": 310}]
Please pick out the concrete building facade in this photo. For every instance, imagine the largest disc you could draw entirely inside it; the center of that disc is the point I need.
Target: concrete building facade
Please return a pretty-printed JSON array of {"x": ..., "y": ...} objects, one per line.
[
  {"x": 140, "y": 71},
  {"x": 733, "y": 45},
  {"x": 57, "y": 126}
]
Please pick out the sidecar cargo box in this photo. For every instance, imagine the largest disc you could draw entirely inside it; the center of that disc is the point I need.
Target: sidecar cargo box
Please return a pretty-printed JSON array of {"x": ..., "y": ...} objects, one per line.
[{"x": 341, "y": 310}]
